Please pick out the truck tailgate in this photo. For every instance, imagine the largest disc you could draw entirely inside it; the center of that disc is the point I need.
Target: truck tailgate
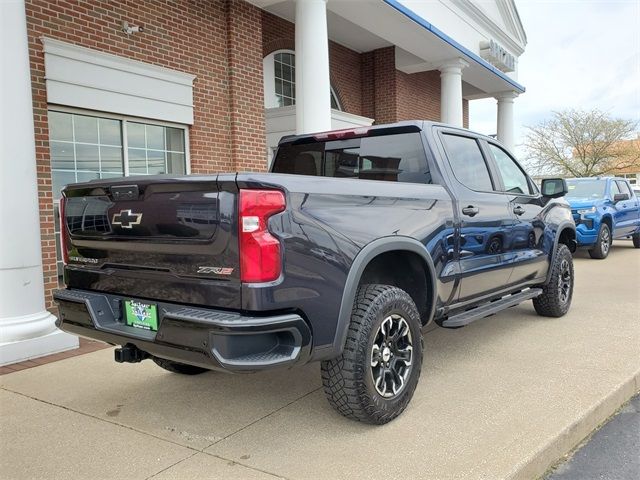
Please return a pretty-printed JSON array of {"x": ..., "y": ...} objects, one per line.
[{"x": 174, "y": 239}]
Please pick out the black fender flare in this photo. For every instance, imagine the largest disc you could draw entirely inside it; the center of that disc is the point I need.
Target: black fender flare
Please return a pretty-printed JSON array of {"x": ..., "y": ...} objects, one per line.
[
  {"x": 561, "y": 227},
  {"x": 360, "y": 262},
  {"x": 609, "y": 217}
]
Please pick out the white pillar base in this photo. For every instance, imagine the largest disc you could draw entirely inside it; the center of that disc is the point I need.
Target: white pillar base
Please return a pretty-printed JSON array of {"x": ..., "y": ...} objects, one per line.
[
  {"x": 21, "y": 350},
  {"x": 27, "y": 330}
]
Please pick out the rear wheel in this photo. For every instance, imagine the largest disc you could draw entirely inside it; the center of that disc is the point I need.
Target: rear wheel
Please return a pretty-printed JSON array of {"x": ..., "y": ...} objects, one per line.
[
  {"x": 176, "y": 367},
  {"x": 603, "y": 243},
  {"x": 375, "y": 377},
  {"x": 636, "y": 240},
  {"x": 558, "y": 292}
]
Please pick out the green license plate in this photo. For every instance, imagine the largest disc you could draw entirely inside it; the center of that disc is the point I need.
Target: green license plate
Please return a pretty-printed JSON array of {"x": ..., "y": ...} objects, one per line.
[{"x": 141, "y": 315}]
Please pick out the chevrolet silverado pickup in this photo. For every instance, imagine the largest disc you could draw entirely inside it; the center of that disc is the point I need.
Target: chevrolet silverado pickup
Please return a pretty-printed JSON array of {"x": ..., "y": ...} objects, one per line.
[
  {"x": 344, "y": 253},
  {"x": 604, "y": 209}
]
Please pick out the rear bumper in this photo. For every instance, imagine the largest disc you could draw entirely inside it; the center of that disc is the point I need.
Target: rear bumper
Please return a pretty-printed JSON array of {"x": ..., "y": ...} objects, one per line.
[{"x": 214, "y": 339}]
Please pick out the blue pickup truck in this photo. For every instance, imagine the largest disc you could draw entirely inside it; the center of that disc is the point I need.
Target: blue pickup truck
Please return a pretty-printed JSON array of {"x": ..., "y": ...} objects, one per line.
[{"x": 603, "y": 209}]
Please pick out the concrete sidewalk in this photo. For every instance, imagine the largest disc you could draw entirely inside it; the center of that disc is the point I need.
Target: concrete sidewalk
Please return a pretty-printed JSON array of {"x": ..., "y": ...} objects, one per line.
[{"x": 504, "y": 397}]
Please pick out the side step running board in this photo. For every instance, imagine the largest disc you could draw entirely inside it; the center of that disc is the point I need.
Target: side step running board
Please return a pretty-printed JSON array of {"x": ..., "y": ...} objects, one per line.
[{"x": 465, "y": 318}]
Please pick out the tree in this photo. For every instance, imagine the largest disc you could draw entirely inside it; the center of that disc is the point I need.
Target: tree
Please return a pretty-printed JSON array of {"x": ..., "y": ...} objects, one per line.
[{"x": 582, "y": 144}]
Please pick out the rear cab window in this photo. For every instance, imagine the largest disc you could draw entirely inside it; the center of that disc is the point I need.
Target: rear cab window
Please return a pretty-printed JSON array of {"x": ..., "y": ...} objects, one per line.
[{"x": 398, "y": 157}]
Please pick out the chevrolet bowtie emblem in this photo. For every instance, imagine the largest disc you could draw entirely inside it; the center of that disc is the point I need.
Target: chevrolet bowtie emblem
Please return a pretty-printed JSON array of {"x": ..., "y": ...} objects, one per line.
[{"x": 126, "y": 219}]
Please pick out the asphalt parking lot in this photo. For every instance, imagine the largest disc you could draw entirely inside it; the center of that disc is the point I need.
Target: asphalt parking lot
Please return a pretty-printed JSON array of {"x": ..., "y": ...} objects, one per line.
[
  {"x": 504, "y": 397},
  {"x": 611, "y": 453}
]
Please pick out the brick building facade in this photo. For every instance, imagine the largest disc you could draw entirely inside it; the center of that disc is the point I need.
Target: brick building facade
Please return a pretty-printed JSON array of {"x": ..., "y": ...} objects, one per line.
[
  {"x": 222, "y": 43},
  {"x": 219, "y": 42},
  {"x": 187, "y": 86}
]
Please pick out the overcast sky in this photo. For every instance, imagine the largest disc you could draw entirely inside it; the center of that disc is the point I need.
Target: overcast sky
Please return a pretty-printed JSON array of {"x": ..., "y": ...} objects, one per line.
[{"x": 580, "y": 54}]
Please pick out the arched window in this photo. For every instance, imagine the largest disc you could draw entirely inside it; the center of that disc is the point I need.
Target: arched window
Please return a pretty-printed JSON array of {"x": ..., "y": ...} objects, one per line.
[{"x": 279, "y": 70}]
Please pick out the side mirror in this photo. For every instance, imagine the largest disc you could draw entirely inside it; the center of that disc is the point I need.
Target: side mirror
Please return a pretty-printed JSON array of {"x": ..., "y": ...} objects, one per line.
[
  {"x": 554, "y": 187},
  {"x": 618, "y": 197}
]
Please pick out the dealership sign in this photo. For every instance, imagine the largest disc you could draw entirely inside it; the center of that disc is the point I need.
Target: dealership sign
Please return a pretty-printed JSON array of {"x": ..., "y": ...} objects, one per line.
[{"x": 496, "y": 55}]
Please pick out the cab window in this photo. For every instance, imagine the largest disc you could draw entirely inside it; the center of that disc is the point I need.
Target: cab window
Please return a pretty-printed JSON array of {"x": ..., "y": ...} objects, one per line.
[
  {"x": 513, "y": 178},
  {"x": 624, "y": 188},
  {"x": 467, "y": 162}
]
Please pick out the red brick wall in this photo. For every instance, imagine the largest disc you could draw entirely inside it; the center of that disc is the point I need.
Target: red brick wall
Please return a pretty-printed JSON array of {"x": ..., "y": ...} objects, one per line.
[
  {"x": 277, "y": 34},
  {"x": 345, "y": 68},
  {"x": 389, "y": 95},
  {"x": 385, "y": 85},
  {"x": 244, "y": 35},
  {"x": 185, "y": 35},
  {"x": 367, "y": 82},
  {"x": 418, "y": 95}
]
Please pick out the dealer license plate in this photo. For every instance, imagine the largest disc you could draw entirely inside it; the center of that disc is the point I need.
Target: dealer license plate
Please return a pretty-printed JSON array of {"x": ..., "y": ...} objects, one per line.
[{"x": 141, "y": 315}]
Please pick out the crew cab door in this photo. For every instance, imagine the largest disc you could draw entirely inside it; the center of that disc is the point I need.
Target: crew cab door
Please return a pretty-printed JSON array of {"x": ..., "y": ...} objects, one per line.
[
  {"x": 523, "y": 249},
  {"x": 482, "y": 214},
  {"x": 626, "y": 211}
]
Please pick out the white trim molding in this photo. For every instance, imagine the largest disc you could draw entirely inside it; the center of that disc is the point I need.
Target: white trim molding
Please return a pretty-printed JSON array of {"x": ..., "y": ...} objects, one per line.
[
  {"x": 515, "y": 39},
  {"x": 89, "y": 79}
]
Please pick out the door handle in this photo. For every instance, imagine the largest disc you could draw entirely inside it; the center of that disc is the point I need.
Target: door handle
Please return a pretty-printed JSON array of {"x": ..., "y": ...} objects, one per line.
[
  {"x": 518, "y": 210},
  {"x": 470, "y": 211}
]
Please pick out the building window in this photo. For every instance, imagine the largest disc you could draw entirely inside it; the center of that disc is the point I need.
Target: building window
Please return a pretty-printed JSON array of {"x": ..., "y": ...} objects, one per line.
[
  {"x": 632, "y": 178},
  {"x": 284, "y": 65},
  {"x": 335, "y": 103},
  {"x": 154, "y": 149},
  {"x": 84, "y": 147},
  {"x": 280, "y": 81}
]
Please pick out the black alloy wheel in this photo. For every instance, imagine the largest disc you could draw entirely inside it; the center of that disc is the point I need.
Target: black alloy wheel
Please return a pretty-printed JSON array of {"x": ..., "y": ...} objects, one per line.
[{"x": 391, "y": 356}]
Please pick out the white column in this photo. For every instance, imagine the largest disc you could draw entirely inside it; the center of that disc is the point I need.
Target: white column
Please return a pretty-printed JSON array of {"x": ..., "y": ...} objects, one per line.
[
  {"x": 27, "y": 329},
  {"x": 451, "y": 91},
  {"x": 505, "y": 118},
  {"x": 313, "y": 87}
]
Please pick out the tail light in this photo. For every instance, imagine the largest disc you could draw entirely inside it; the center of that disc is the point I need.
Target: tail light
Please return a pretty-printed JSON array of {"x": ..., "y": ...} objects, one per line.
[
  {"x": 260, "y": 259},
  {"x": 63, "y": 232}
]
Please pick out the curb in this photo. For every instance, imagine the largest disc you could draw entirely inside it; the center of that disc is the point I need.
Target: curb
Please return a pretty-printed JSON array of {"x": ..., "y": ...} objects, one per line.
[{"x": 572, "y": 435}]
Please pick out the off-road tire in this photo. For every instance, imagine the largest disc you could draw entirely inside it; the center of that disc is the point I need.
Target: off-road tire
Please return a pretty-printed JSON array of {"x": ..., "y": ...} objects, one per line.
[
  {"x": 636, "y": 240},
  {"x": 176, "y": 367},
  {"x": 348, "y": 379},
  {"x": 600, "y": 251},
  {"x": 554, "y": 302}
]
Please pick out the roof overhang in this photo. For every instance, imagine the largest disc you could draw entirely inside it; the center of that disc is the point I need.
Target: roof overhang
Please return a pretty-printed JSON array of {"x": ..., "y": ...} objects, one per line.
[
  {"x": 365, "y": 25},
  {"x": 438, "y": 47}
]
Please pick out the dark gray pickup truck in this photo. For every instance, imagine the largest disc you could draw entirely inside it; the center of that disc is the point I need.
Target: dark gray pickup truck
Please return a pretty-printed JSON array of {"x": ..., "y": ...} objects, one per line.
[{"x": 352, "y": 244}]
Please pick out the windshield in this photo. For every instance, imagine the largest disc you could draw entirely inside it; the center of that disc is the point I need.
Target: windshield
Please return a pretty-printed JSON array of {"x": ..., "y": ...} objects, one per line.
[{"x": 586, "y": 188}]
